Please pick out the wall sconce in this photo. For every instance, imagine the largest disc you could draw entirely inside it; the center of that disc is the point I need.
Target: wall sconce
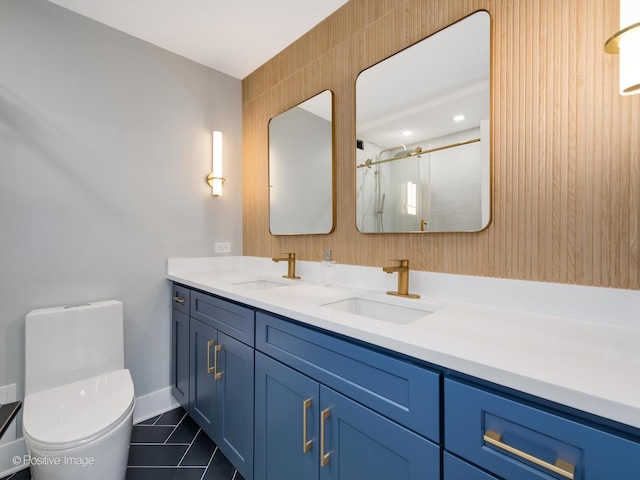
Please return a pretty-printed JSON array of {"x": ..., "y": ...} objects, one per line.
[
  {"x": 627, "y": 43},
  {"x": 215, "y": 179}
]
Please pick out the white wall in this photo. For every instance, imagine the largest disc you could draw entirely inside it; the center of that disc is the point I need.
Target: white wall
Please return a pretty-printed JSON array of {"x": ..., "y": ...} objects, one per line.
[{"x": 105, "y": 142}]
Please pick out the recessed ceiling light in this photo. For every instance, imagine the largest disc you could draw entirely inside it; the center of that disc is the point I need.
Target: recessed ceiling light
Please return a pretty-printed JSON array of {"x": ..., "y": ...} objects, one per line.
[
  {"x": 458, "y": 118},
  {"x": 407, "y": 133}
]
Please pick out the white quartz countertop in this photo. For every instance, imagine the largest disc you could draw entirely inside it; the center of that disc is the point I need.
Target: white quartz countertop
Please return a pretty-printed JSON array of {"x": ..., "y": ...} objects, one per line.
[{"x": 590, "y": 366}]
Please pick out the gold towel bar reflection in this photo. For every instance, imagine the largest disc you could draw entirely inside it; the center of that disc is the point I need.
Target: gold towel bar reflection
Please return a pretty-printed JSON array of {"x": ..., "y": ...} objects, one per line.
[
  {"x": 178, "y": 299},
  {"x": 418, "y": 152},
  {"x": 306, "y": 444},
  {"x": 561, "y": 467},
  {"x": 324, "y": 457}
]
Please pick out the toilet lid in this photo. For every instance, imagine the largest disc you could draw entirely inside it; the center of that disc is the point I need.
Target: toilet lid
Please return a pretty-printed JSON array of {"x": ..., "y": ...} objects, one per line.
[{"x": 78, "y": 411}]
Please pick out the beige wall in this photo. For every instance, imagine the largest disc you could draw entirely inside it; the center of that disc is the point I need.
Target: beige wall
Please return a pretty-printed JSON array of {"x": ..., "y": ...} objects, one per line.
[{"x": 565, "y": 145}]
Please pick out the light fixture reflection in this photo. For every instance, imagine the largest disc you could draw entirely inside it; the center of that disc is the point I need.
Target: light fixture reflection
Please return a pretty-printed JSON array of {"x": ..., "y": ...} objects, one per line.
[{"x": 412, "y": 198}]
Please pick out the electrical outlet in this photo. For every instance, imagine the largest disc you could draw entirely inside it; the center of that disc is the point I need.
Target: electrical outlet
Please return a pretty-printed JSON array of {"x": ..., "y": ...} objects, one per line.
[{"x": 223, "y": 247}]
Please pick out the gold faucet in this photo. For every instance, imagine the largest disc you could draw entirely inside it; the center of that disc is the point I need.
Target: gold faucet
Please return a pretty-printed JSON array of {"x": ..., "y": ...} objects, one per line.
[
  {"x": 291, "y": 261},
  {"x": 403, "y": 279}
]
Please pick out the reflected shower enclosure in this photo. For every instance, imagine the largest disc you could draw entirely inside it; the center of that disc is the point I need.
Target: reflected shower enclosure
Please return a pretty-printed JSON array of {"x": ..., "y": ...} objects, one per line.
[
  {"x": 437, "y": 188},
  {"x": 423, "y": 134}
]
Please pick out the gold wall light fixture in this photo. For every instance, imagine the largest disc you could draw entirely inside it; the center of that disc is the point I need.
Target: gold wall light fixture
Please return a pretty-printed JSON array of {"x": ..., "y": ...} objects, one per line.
[
  {"x": 215, "y": 179},
  {"x": 626, "y": 43}
]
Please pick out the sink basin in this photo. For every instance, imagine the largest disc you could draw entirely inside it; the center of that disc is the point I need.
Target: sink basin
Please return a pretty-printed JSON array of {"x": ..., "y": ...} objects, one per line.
[
  {"x": 380, "y": 310},
  {"x": 261, "y": 284}
]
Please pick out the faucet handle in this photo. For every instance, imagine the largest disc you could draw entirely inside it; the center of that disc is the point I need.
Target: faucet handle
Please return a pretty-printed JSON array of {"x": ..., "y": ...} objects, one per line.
[
  {"x": 403, "y": 262},
  {"x": 285, "y": 256}
]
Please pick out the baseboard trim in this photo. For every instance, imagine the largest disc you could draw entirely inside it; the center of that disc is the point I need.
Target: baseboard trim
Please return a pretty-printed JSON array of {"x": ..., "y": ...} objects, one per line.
[
  {"x": 153, "y": 404},
  {"x": 12, "y": 456}
]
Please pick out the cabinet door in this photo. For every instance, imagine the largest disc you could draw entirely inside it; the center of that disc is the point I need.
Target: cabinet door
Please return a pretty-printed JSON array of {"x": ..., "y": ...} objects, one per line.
[
  {"x": 286, "y": 448},
  {"x": 233, "y": 428},
  {"x": 202, "y": 382},
  {"x": 180, "y": 357},
  {"x": 362, "y": 444}
]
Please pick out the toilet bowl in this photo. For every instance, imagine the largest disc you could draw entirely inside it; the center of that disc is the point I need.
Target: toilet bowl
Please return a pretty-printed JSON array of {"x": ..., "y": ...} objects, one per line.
[{"x": 78, "y": 415}]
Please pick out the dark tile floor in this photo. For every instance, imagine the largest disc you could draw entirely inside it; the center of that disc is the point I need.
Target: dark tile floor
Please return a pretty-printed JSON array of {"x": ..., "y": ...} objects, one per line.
[{"x": 171, "y": 447}]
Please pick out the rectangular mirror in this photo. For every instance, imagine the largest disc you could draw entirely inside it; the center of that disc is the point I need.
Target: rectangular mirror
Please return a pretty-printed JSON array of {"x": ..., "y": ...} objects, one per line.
[
  {"x": 301, "y": 168},
  {"x": 423, "y": 134}
]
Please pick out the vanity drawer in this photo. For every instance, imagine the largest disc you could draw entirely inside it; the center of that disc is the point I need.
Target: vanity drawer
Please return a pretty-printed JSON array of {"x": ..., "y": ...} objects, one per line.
[
  {"x": 517, "y": 441},
  {"x": 402, "y": 391},
  {"x": 230, "y": 318},
  {"x": 456, "y": 469},
  {"x": 180, "y": 299}
]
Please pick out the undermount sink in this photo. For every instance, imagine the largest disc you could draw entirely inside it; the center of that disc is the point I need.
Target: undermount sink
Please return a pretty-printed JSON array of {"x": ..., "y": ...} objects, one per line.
[
  {"x": 380, "y": 310},
  {"x": 261, "y": 284}
]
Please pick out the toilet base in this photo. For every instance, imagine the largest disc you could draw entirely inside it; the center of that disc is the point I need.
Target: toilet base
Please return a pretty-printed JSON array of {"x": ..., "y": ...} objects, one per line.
[{"x": 102, "y": 459}]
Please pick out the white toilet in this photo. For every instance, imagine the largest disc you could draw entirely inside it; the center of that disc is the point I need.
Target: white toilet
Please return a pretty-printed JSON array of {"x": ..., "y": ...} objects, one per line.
[{"x": 79, "y": 398}]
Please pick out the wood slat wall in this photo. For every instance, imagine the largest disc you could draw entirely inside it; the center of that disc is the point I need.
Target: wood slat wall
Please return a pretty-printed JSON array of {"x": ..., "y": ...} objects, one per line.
[{"x": 565, "y": 145}]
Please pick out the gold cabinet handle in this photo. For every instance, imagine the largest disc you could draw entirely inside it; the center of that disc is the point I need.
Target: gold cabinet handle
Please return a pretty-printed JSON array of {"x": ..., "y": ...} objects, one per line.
[
  {"x": 216, "y": 374},
  {"x": 324, "y": 457},
  {"x": 178, "y": 299},
  {"x": 210, "y": 369},
  {"x": 306, "y": 444},
  {"x": 561, "y": 467}
]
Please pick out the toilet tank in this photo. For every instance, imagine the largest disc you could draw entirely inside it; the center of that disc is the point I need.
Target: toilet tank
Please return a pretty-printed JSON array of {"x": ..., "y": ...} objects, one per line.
[{"x": 67, "y": 344}]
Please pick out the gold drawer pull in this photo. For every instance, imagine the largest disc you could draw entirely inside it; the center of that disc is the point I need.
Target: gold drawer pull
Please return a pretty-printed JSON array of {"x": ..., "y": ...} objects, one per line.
[
  {"x": 324, "y": 457},
  {"x": 561, "y": 467},
  {"x": 210, "y": 369},
  {"x": 178, "y": 299},
  {"x": 216, "y": 374},
  {"x": 306, "y": 444}
]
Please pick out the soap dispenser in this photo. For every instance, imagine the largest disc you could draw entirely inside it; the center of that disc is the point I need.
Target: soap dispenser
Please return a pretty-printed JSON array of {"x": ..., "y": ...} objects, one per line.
[{"x": 328, "y": 269}]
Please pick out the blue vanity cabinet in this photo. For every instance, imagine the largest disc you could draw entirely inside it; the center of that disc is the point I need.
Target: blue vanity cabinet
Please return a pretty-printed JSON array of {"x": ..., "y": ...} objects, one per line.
[
  {"x": 287, "y": 401},
  {"x": 287, "y": 420},
  {"x": 360, "y": 443},
  {"x": 456, "y": 469},
  {"x": 341, "y": 398},
  {"x": 402, "y": 391},
  {"x": 234, "y": 401},
  {"x": 180, "y": 301},
  {"x": 237, "y": 321},
  {"x": 222, "y": 376},
  {"x": 516, "y": 440},
  {"x": 202, "y": 380}
]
